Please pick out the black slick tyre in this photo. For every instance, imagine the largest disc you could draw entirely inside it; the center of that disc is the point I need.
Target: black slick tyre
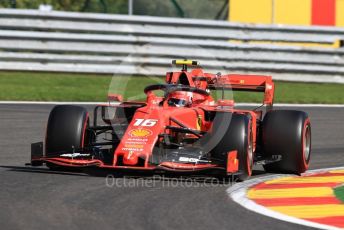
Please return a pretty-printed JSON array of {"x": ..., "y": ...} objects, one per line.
[
  {"x": 238, "y": 136},
  {"x": 287, "y": 133},
  {"x": 66, "y": 130}
]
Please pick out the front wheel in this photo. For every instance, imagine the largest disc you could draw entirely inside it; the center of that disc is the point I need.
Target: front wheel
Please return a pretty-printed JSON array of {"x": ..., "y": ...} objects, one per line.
[
  {"x": 66, "y": 130},
  {"x": 238, "y": 136}
]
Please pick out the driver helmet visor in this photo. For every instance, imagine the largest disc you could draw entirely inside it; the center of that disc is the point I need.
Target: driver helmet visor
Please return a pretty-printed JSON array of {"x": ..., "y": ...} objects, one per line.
[{"x": 176, "y": 102}]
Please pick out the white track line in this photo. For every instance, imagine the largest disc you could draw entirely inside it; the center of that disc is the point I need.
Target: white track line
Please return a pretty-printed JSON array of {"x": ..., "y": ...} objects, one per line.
[
  {"x": 238, "y": 191},
  {"x": 94, "y": 103},
  {"x": 49, "y": 103}
]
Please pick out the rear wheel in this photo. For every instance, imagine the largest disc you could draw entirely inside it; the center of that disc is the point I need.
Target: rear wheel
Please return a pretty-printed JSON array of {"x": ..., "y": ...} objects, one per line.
[
  {"x": 287, "y": 133},
  {"x": 66, "y": 130},
  {"x": 238, "y": 136}
]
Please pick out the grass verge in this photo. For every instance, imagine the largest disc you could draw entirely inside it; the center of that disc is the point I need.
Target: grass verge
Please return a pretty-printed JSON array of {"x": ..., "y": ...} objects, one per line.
[
  {"x": 339, "y": 192},
  {"x": 29, "y": 86}
]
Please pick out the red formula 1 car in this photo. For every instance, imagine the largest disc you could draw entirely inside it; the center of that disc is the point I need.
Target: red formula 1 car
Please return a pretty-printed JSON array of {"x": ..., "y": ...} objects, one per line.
[{"x": 181, "y": 129}]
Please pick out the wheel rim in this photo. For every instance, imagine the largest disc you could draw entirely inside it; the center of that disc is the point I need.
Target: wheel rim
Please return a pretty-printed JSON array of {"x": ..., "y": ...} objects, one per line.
[{"x": 307, "y": 144}]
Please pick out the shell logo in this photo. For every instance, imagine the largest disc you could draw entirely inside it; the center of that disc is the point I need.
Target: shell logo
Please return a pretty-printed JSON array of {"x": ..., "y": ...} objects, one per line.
[{"x": 140, "y": 133}]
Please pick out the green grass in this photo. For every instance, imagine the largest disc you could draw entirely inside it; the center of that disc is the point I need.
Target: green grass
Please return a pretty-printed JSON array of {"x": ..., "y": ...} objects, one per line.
[
  {"x": 52, "y": 87},
  {"x": 29, "y": 86},
  {"x": 339, "y": 192}
]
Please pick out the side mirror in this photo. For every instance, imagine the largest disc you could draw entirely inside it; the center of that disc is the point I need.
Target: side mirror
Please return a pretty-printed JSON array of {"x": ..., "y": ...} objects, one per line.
[{"x": 114, "y": 97}]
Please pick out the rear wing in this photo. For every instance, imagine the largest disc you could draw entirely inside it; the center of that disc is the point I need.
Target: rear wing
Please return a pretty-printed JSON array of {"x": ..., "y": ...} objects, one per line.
[
  {"x": 236, "y": 82},
  {"x": 239, "y": 82}
]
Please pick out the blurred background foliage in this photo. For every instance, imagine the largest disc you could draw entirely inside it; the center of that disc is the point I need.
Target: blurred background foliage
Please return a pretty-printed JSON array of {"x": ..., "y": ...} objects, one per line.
[{"x": 206, "y": 9}]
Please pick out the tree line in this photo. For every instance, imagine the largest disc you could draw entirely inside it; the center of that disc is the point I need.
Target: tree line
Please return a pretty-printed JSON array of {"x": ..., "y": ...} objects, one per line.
[{"x": 207, "y": 9}]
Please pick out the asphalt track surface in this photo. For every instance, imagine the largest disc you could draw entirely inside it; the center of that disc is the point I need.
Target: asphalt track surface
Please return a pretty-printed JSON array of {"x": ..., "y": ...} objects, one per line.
[{"x": 43, "y": 199}]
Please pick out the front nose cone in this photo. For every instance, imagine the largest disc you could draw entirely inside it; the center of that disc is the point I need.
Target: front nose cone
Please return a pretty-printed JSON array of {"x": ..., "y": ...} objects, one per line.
[{"x": 130, "y": 158}]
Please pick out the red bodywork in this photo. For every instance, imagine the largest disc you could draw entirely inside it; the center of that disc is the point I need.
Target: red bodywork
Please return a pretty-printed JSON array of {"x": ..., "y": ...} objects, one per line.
[{"x": 156, "y": 117}]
